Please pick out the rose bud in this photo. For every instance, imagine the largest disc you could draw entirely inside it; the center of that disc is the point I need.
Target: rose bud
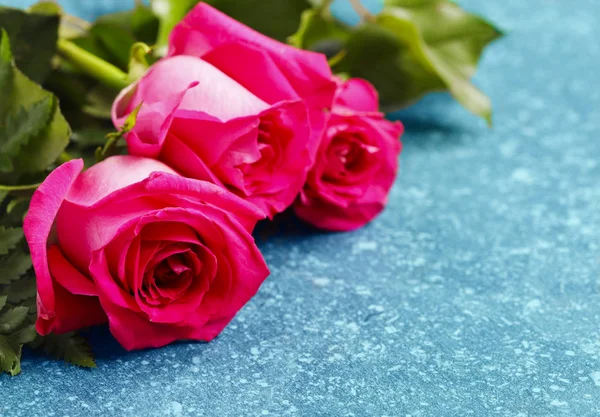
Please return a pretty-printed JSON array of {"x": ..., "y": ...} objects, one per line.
[
  {"x": 357, "y": 162},
  {"x": 160, "y": 256},
  {"x": 207, "y": 126}
]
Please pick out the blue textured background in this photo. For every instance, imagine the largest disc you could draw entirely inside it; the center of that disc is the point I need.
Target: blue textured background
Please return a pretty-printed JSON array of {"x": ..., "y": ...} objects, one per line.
[{"x": 477, "y": 292}]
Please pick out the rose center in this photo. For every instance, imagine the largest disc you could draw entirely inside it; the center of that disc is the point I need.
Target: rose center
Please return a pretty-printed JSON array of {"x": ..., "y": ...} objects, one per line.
[
  {"x": 170, "y": 278},
  {"x": 171, "y": 270},
  {"x": 348, "y": 155},
  {"x": 273, "y": 138}
]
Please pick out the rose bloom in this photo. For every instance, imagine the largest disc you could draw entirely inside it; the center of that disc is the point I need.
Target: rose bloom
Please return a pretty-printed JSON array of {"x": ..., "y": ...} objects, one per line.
[
  {"x": 160, "y": 256},
  {"x": 271, "y": 70},
  {"x": 357, "y": 162},
  {"x": 231, "y": 106}
]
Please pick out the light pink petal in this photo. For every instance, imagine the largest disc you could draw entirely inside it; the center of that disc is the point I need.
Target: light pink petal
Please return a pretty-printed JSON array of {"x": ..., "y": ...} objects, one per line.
[
  {"x": 112, "y": 174},
  {"x": 213, "y": 91},
  {"x": 152, "y": 122}
]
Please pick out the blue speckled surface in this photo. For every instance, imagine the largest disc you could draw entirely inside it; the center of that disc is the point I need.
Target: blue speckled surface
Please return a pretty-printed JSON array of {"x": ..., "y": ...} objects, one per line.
[{"x": 476, "y": 293}]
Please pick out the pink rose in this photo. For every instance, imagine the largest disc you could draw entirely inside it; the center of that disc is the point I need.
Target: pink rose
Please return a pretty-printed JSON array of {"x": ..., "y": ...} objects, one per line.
[
  {"x": 159, "y": 256},
  {"x": 273, "y": 71},
  {"x": 232, "y": 106},
  {"x": 356, "y": 164},
  {"x": 205, "y": 125}
]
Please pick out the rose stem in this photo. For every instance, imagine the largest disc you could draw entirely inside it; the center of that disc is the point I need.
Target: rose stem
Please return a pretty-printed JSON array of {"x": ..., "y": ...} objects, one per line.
[{"x": 90, "y": 64}]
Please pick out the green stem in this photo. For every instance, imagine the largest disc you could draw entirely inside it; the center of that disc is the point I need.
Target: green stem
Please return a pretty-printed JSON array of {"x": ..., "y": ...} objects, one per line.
[
  {"x": 19, "y": 187},
  {"x": 95, "y": 67}
]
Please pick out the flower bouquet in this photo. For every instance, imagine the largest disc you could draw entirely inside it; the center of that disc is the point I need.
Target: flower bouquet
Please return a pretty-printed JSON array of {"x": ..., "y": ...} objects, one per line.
[{"x": 138, "y": 152}]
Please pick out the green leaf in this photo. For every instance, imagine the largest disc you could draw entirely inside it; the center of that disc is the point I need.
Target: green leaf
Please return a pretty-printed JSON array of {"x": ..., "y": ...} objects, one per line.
[
  {"x": 116, "y": 40},
  {"x": 112, "y": 36},
  {"x": 45, "y": 7},
  {"x": 140, "y": 22},
  {"x": 25, "y": 335},
  {"x": 21, "y": 290},
  {"x": 3, "y": 299},
  {"x": 43, "y": 144},
  {"x": 6, "y": 72},
  {"x": 9, "y": 237},
  {"x": 12, "y": 319},
  {"x": 414, "y": 47},
  {"x": 169, "y": 13},
  {"x": 93, "y": 45},
  {"x": 10, "y": 355},
  {"x": 16, "y": 209},
  {"x": 91, "y": 137},
  {"x": 275, "y": 18},
  {"x": 13, "y": 266},
  {"x": 33, "y": 39},
  {"x": 318, "y": 27},
  {"x": 99, "y": 101},
  {"x": 283, "y": 20},
  {"x": 20, "y": 127},
  {"x": 69, "y": 347}
]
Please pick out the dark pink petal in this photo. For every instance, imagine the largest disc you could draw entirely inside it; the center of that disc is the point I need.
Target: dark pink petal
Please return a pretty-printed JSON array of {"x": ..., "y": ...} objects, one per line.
[
  {"x": 344, "y": 196},
  {"x": 356, "y": 95},
  {"x": 205, "y": 29},
  {"x": 210, "y": 138},
  {"x": 37, "y": 225},
  {"x": 335, "y": 218},
  {"x": 68, "y": 276},
  {"x": 199, "y": 191},
  {"x": 248, "y": 270},
  {"x": 133, "y": 330},
  {"x": 177, "y": 154},
  {"x": 109, "y": 291},
  {"x": 260, "y": 74},
  {"x": 77, "y": 306}
]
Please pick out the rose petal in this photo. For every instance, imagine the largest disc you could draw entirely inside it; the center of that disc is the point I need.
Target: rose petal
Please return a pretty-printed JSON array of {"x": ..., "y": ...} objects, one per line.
[
  {"x": 152, "y": 122},
  {"x": 213, "y": 91},
  {"x": 261, "y": 75},
  {"x": 214, "y": 137},
  {"x": 108, "y": 290},
  {"x": 111, "y": 175},
  {"x": 67, "y": 275},
  {"x": 37, "y": 224},
  {"x": 205, "y": 29},
  {"x": 356, "y": 95}
]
